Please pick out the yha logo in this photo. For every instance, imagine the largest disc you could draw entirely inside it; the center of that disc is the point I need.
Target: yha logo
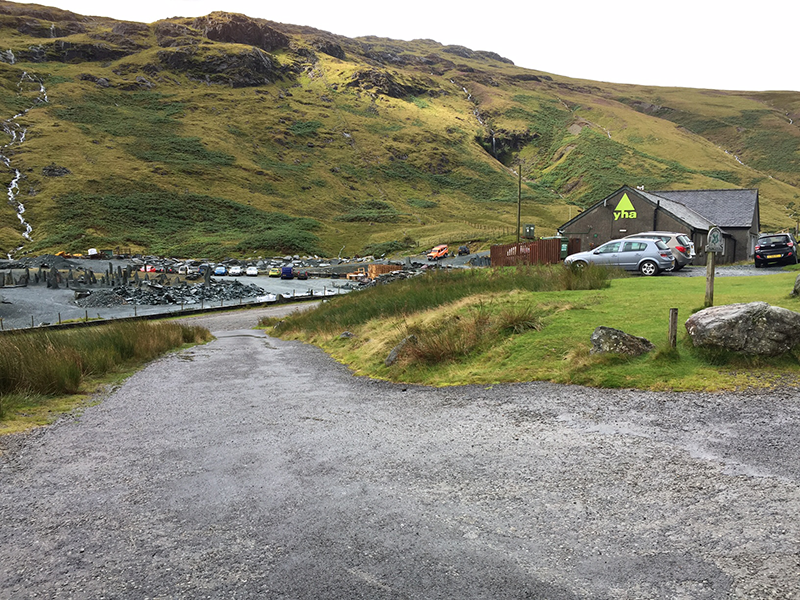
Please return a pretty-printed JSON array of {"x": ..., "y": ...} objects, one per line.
[{"x": 624, "y": 209}]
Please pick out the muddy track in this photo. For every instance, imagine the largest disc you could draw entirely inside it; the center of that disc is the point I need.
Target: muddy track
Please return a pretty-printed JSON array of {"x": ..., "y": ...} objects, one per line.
[{"x": 258, "y": 468}]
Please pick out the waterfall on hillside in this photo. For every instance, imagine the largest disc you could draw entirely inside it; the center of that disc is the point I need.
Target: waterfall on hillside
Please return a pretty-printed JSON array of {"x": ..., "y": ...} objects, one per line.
[{"x": 13, "y": 129}]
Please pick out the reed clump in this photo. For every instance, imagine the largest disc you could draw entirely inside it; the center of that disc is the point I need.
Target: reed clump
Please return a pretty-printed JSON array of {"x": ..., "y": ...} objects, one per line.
[{"x": 57, "y": 362}]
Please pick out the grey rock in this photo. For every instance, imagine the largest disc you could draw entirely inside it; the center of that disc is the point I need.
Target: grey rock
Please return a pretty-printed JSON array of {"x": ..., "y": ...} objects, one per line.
[
  {"x": 754, "y": 328},
  {"x": 796, "y": 288},
  {"x": 397, "y": 350},
  {"x": 608, "y": 339}
]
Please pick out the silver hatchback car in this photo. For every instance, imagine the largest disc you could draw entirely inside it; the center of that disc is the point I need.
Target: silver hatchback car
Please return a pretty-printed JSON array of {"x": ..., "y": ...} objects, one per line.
[
  {"x": 681, "y": 245},
  {"x": 646, "y": 255}
]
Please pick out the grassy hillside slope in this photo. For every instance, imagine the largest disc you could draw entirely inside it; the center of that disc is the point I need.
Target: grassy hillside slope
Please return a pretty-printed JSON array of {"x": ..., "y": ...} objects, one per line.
[{"x": 227, "y": 135}]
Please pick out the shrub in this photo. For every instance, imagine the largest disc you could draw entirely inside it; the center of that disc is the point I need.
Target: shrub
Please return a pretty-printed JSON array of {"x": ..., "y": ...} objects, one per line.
[{"x": 56, "y": 362}]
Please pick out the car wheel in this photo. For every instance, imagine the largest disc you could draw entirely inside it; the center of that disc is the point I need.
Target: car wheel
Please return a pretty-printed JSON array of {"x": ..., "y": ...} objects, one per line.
[
  {"x": 648, "y": 268},
  {"x": 676, "y": 266},
  {"x": 759, "y": 265},
  {"x": 579, "y": 264}
]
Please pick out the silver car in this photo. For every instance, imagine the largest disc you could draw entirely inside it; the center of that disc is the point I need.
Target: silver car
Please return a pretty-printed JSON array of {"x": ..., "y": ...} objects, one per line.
[
  {"x": 646, "y": 255},
  {"x": 681, "y": 245}
]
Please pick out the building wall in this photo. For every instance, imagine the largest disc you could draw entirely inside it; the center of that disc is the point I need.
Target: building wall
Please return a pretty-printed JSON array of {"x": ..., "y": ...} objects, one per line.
[
  {"x": 615, "y": 219},
  {"x": 626, "y": 213}
]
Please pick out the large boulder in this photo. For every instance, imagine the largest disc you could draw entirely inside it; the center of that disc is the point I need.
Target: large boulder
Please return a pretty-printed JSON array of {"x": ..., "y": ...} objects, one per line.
[
  {"x": 796, "y": 288},
  {"x": 754, "y": 328},
  {"x": 608, "y": 339}
]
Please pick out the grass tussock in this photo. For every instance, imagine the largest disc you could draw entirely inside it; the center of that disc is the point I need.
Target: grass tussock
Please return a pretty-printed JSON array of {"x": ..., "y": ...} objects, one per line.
[
  {"x": 481, "y": 327},
  {"x": 55, "y": 363},
  {"x": 439, "y": 288}
]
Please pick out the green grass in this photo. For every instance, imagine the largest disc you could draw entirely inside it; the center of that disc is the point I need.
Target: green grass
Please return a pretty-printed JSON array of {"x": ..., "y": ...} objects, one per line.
[
  {"x": 43, "y": 373},
  {"x": 436, "y": 289},
  {"x": 502, "y": 328},
  {"x": 172, "y": 223}
]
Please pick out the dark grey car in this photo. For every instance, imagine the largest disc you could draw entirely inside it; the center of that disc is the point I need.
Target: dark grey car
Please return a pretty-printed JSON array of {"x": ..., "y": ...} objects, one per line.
[{"x": 775, "y": 248}]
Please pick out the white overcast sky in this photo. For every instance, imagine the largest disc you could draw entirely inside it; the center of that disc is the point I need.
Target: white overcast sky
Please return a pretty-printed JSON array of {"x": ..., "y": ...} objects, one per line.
[{"x": 690, "y": 43}]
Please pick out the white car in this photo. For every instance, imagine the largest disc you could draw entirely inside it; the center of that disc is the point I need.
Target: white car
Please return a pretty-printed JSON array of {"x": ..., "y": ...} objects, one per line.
[
  {"x": 251, "y": 271},
  {"x": 235, "y": 270}
]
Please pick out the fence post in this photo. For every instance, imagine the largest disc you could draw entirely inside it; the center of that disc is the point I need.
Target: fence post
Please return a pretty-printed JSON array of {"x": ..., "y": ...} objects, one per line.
[{"x": 673, "y": 327}]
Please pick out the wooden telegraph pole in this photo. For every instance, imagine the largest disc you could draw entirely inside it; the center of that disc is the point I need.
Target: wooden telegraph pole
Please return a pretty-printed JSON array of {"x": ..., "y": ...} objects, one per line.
[
  {"x": 716, "y": 244},
  {"x": 519, "y": 202}
]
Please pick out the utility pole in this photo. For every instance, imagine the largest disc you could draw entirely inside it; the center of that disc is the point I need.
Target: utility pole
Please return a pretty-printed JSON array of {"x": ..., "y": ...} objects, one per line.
[{"x": 519, "y": 200}]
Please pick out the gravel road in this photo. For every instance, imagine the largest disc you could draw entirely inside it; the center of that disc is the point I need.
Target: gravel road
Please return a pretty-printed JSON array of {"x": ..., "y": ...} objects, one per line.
[{"x": 258, "y": 468}]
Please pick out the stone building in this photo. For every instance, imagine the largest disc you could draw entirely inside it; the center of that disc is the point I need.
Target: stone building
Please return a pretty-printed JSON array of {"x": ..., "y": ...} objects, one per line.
[{"x": 693, "y": 212}]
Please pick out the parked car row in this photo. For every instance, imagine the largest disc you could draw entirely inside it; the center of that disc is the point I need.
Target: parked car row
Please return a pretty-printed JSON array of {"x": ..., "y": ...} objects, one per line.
[
  {"x": 647, "y": 255},
  {"x": 682, "y": 247}
]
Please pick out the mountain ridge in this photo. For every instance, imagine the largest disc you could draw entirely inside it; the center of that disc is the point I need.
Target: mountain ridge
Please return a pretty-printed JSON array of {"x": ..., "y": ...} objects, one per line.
[{"x": 231, "y": 135}]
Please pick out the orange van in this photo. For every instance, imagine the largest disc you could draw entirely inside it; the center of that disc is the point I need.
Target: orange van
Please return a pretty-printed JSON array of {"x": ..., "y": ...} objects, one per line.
[{"x": 438, "y": 252}]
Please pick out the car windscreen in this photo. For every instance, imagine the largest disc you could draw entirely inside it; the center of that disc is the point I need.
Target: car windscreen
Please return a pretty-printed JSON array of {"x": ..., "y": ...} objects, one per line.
[
  {"x": 683, "y": 240},
  {"x": 773, "y": 239},
  {"x": 661, "y": 245}
]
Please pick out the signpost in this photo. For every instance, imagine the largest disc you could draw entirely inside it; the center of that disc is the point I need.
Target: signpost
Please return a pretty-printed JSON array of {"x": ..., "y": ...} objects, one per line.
[{"x": 716, "y": 243}]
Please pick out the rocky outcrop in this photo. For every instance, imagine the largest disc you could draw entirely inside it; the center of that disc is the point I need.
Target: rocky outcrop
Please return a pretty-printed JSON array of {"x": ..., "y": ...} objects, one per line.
[
  {"x": 382, "y": 82},
  {"x": 63, "y": 51},
  {"x": 461, "y": 51},
  {"x": 608, "y": 339},
  {"x": 100, "y": 81},
  {"x": 49, "y": 29},
  {"x": 173, "y": 34},
  {"x": 54, "y": 170},
  {"x": 247, "y": 68},
  {"x": 754, "y": 328},
  {"x": 329, "y": 47},
  {"x": 130, "y": 29},
  {"x": 493, "y": 56},
  {"x": 504, "y": 144},
  {"x": 239, "y": 29},
  {"x": 525, "y": 77},
  {"x": 36, "y": 11}
]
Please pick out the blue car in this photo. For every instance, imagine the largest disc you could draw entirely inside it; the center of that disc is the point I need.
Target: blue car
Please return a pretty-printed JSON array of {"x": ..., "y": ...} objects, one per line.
[{"x": 220, "y": 270}]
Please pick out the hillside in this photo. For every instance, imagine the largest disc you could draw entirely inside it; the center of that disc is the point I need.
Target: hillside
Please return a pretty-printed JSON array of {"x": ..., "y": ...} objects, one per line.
[{"x": 227, "y": 135}]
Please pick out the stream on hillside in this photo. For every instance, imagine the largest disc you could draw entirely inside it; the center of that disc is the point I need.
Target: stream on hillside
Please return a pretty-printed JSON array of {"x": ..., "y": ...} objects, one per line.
[{"x": 16, "y": 131}]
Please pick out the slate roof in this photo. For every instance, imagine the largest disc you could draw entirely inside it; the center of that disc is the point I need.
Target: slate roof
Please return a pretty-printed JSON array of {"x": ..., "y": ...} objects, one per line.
[
  {"x": 724, "y": 208},
  {"x": 692, "y": 218}
]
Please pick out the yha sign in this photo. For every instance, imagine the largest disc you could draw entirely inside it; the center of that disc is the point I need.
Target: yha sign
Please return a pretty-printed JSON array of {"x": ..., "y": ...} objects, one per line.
[{"x": 624, "y": 209}]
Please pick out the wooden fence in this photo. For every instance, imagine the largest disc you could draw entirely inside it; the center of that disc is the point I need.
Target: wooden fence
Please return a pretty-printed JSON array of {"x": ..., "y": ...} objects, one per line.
[{"x": 540, "y": 252}]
